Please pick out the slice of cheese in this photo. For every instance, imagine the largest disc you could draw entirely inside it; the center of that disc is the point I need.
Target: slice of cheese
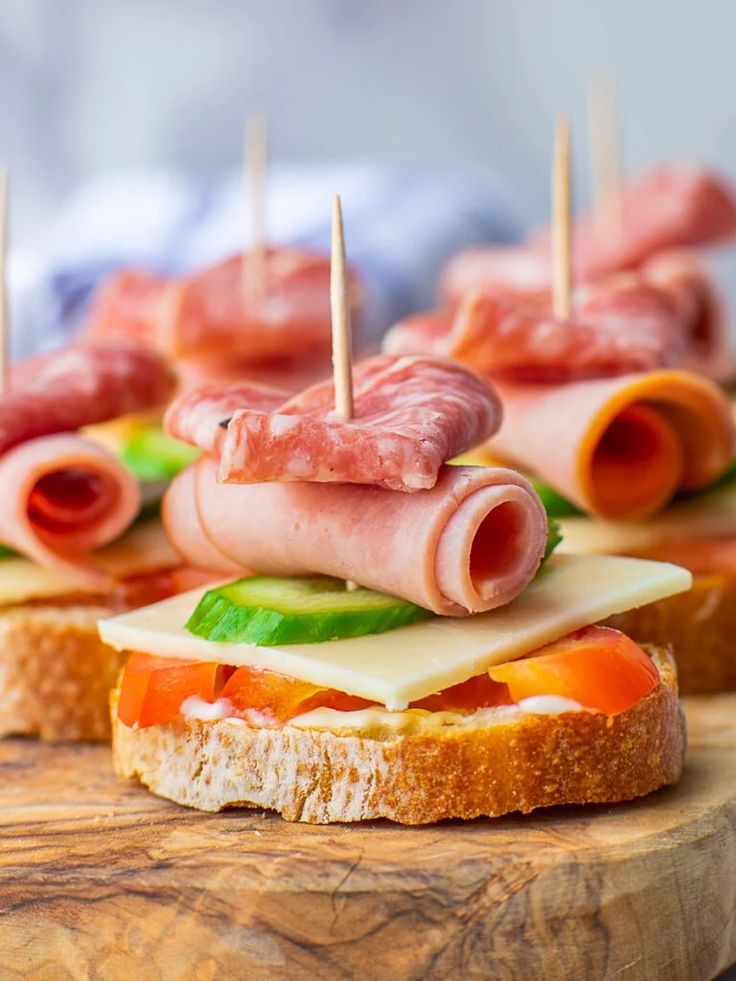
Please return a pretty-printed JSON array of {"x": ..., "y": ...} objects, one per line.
[
  {"x": 145, "y": 548},
  {"x": 704, "y": 515},
  {"x": 397, "y": 667}
]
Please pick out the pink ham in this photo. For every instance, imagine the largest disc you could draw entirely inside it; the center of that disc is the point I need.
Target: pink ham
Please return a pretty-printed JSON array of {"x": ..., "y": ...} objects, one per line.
[
  {"x": 211, "y": 315},
  {"x": 618, "y": 326},
  {"x": 410, "y": 415},
  {"x": 471, "y": 543},
  {"x": 64, "y": 496},
  {"x": 78, "y": 386},
  {"x": 618, "y": 447}
]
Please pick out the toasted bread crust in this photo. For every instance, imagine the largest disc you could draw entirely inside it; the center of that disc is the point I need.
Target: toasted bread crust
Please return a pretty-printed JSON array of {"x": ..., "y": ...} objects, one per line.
[
  {"x": 514, "y": 764},
  {"x": 701, "y": 627},
  {"x": 55, "y": 672}
]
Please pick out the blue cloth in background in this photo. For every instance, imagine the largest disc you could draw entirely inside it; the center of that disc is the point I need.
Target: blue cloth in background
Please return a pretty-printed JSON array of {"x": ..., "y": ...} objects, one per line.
[{"x": 401, "y": 226}]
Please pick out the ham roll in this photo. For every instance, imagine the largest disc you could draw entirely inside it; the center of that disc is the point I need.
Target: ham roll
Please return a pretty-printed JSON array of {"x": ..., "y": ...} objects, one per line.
[
  {"x": 211, "y": 315},
  {"x": 618, "y": 447},
  {"x": 471, "y": 543},
  {"x": 64, "y": 496}
]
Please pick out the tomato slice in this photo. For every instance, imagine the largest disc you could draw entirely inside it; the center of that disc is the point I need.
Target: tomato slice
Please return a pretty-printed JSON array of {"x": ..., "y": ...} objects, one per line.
[
  {"x": 280, "y": 698},
  {"x": 598, "y": 667},
  {"x": 475, "y": 693},
  {"x": 153, "y": 688}
]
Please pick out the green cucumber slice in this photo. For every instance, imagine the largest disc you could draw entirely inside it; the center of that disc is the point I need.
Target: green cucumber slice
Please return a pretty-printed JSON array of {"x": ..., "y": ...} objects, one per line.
[
  {"x": 152, "y": 455},
  {"x": 555, "y": 504},
  {"x": 269, "y": 611}
]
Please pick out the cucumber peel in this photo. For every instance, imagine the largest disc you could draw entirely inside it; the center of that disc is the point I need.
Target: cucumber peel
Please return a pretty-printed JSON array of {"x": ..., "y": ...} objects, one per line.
[
  {"x": 270, "y": 611},
  {"x": 555, "y": 504}
]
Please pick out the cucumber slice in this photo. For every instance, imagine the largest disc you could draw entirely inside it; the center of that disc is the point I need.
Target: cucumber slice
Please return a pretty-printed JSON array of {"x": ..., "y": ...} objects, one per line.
[
  {"x": 555, "y": 504},
  {"x": 269, "y": 611},
  {"x": 152, "y": 455}
]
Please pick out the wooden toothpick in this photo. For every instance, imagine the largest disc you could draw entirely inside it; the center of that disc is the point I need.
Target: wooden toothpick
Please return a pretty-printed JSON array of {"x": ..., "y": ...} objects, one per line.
[
  {"x": 4, "y": 314},
  {"x": 561, "y": 236},
  {"x": 342, "y": 344},
  {"x": 256, "y": 162},
  {"x": 342, "y": 335},
  {"x": 605, "y": 156}
]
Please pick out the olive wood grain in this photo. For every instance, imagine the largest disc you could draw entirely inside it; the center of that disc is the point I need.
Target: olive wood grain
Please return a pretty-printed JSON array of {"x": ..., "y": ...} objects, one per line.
[{"x": 98, "y": 879}]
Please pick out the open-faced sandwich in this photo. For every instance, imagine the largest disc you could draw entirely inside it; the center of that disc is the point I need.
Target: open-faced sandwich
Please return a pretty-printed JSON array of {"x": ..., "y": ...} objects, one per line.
[
  {"x": 623, "y": 444},
  {"x": 398, "y": 652},
  {"x": 79, "y": 531}
]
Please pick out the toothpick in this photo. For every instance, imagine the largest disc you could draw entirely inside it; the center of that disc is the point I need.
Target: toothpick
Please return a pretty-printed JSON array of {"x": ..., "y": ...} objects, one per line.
[
  {"x": 342, "y": 336},
  {"x": 4, "y": 315},
  {"x": 256, "y": 154},
  {"x": 561, "y": 240},
  {"x": 342, "y": 353},
  {"x": 603, "y": 129}
]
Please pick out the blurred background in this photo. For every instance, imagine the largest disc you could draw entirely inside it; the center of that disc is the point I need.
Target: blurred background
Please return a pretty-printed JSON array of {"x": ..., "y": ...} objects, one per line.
[{"x": 94, "y": 88}]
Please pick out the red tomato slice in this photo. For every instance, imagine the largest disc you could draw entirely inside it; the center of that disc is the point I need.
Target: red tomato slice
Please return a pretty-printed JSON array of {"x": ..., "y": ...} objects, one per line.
[
  {"x": 475, "y": 693},
  {"x": 598, "y": 667},
  {"x": 153, "y": 688},
  {"x": 281, "y": 698}
]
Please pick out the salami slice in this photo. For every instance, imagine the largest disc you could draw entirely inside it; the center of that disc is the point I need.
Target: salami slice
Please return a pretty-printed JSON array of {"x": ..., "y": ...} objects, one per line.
[
  {"x": 79, "y": 386},
  {"x": 411, "y": 414},
  {"x": 700, "y": 284},
  {"x": 471, "y": 543},
  {"x": 618, "y": 326},
  {"x": 618, "y": 447},
  {"x": 523, "y": 272},
  {"x": 199, "y": 417},
  {"x": 211, "y": 315}
]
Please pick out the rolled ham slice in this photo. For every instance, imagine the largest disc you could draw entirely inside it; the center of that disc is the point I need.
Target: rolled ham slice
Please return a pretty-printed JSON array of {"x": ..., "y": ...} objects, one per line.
[
  {"x": 211, "y": 315},
  {"x": 64, "y": 496},
  {"x": 410, "y": 415},
  {"x": 471, "y": 543},
  {"x": 621, "y": 325},
  {"x": 618, "y": 447}
]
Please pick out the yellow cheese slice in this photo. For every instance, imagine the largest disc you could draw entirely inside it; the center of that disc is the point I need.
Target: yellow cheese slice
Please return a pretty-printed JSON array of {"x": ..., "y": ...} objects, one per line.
[
  {"x": 397, "y": 667},
  {"x": 706, "y": 515},
  {"x": 145, "y": 548}
]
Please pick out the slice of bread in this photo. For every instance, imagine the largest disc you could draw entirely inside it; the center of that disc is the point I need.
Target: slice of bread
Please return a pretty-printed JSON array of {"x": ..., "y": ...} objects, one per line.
[
  {"x": 701, "y": 627},
  {"x": 55, "y": 672},
  {"x": 501, "y": 761}
]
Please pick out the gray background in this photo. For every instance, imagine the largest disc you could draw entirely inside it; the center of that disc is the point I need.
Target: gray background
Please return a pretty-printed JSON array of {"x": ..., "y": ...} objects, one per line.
[{"x": 92, "y": 85}]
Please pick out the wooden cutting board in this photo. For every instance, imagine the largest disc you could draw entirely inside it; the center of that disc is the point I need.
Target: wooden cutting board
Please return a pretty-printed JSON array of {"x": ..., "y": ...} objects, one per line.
[{"x": 98, "y": 879}]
